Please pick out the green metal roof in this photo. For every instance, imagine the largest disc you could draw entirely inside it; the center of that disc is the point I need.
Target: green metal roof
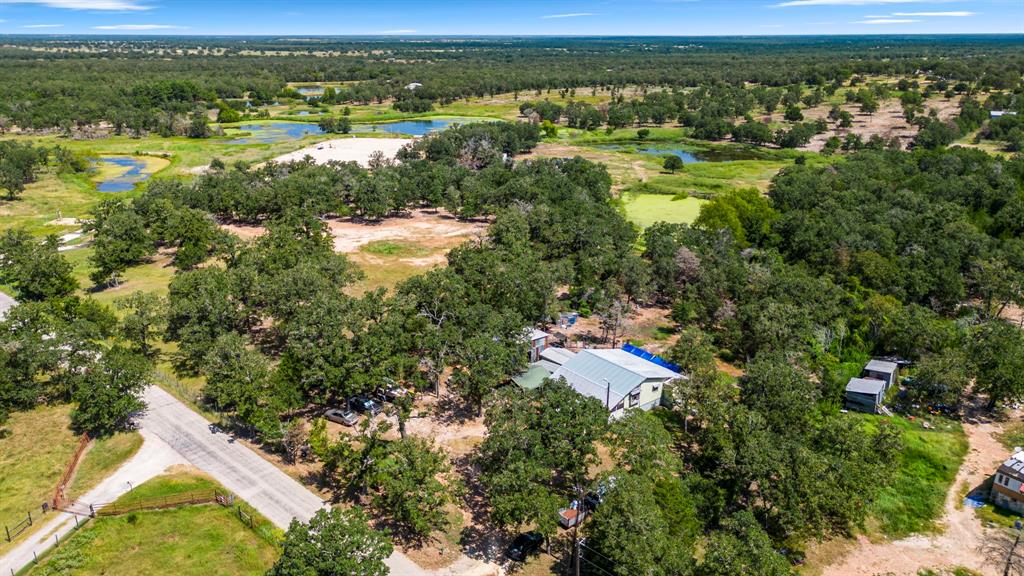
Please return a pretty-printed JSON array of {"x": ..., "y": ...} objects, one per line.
[{"x": 532, "y": 378}]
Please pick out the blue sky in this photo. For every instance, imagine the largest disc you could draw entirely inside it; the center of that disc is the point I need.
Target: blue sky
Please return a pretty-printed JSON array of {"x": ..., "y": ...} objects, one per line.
[{"x": 497, "y": 17}]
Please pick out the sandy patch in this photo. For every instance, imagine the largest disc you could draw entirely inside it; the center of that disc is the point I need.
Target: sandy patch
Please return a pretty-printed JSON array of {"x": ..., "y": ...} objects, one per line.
[
  {"x": 888, "y": 122},
  {"x": 347, "y": 150},
  {"x": 423, "y": 227}
]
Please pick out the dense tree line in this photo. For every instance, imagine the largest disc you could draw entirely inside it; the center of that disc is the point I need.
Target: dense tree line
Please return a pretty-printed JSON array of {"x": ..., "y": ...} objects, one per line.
[{"x": 151, "y": 85}]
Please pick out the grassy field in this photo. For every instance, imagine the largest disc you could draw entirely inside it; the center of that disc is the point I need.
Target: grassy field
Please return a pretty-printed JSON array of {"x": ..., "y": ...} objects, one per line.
[
  {"x": 193, "y": 540},
  {"x": 153, "y": 276},
  {"x": 646, "y": 209},
  {"x": 927, "y": 466},
  {"x": 35, "y": 453}
]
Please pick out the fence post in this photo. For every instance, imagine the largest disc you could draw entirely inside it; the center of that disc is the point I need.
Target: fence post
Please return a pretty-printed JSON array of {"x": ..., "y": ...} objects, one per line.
[
  {"x": 29, "y": 517},
  {"x": 8, "y": 530}
]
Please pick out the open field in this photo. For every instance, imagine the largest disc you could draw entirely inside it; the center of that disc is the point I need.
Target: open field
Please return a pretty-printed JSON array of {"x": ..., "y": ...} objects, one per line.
[
  {"x": 646, "y": 209},
  {"x": 33, "y": 457},
  {"x": 392, "y": 249},
  {"x": 350, "y": 149},
  {"x": 199, "y": 540}
]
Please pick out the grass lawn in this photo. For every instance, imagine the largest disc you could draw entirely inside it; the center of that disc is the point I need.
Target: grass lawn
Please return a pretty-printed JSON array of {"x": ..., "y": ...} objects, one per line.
[
  {"x": 33, "y": 457},
  {"x": 73, "y": 195},
  {"x": 153, "y": 276},
  {"x": 926, "y": 468},
  {"x": 646, "y": 209},
  {"x": 200, "y": 540}
]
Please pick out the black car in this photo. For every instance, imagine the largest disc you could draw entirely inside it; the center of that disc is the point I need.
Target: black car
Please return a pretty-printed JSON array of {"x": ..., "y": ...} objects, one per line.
[
  {"x": 524, "y": 546},
  {"x": 365, "y": 405}
]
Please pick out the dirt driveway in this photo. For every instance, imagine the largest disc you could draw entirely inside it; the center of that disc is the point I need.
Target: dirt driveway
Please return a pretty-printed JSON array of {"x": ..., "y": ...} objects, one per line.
[{"x": 959, "y": 542}]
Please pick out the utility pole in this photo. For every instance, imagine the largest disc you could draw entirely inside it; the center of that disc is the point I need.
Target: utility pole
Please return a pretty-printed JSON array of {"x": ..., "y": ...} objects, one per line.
[{"x": 1009, "y": 556}]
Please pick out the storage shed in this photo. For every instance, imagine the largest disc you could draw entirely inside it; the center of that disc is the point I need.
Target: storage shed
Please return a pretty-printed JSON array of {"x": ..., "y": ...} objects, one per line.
[
  {"x": 883, "y": 370},
  {"x": 865, "y": 394}
]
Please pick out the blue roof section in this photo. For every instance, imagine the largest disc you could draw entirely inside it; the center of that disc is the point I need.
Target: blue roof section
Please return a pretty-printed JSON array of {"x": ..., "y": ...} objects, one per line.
[{"x": 650, "y": 357}]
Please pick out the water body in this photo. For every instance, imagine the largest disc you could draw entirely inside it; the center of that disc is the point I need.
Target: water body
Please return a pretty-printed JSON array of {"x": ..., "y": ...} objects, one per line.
[
  {"x": 310, "y": 90},
  {"x": 271, "y": 132},
  {"x": 687, "y": 156},
  {"x": 413, "y": 127},
  {"x": 128, "y": 179}
]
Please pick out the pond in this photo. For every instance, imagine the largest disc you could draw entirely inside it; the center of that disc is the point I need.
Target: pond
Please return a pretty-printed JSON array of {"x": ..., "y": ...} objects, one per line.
[
  {"x": 688, "y": 156},
  {"x": 414, "y": 127},
  {"x": 271, "y": 132},
  {"x": 310, "y": 90},
  {"x": 124, "y": 173}
]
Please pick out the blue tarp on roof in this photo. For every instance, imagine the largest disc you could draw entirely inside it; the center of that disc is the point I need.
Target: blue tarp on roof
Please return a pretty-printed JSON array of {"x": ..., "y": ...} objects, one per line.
[{"x": 651, "y": 357}]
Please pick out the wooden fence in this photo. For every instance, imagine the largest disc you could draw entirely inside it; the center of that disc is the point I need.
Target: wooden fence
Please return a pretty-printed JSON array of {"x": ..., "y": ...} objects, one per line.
[
  {"x": 59, "y": 493},
  {"x": 12, "y": 532},
  {"x": 158, "y": 502}
]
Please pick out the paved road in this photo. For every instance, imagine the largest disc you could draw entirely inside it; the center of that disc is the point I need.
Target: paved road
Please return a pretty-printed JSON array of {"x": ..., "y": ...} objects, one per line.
[
  {"x": 275, "y": 494},
  {"x": 175, "y": 434},
  {"x": 152, "y": 459}
]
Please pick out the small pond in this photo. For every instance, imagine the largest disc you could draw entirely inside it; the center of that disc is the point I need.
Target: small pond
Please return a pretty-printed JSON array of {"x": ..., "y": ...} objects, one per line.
[
  {"x": 690, "y": 156},
  {"x": 271, "y": 132},
  {"x": 414, "y": 127},
  {"x": 123, "y": 180},
  {"x": 310, "y": 90}
]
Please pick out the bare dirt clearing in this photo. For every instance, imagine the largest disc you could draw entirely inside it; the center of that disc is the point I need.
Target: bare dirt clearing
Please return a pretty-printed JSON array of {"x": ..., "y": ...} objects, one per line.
[
  {"x": 347, "y": 150},
  {"x": 888, "y": 122},
  {"x": 962, "y": 532}
]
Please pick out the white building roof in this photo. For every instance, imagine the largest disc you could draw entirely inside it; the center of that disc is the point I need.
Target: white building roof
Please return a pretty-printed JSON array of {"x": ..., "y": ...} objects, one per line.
[
  {"x": 881, "y": 366},
  {"x": 604, "y": 373},
  {"x": 865, "y": 386},
  {"x": 537, "y": 334},
  {"x": 556, "y": 355}
]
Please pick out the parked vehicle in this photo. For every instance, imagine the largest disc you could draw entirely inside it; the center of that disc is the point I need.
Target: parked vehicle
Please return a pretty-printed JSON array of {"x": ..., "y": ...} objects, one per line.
[
  {"x": 364, "y": 405},
  {"x": 595, "y": 497},
  {"x": 525, "y": 545},
  {"x": 392, "y": 391},
  {"x": 342, "y": 416},
  {"x": 572, "y": 515}
]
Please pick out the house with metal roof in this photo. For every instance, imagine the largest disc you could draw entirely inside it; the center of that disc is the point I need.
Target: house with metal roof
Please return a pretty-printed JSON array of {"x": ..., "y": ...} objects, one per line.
[
  {"x": 883, "y": 370},
  {"x": 1008, "y": 484},
  {"x": 538, "y": 342},
  {"x": 618, "y": 379},
  {"x": 547, "y": 360},
  {"x": 865, "y": 394}
]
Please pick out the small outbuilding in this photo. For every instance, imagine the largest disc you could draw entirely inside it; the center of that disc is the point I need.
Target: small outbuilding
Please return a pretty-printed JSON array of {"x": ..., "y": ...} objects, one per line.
[
  {"x": 538, "y": 342},
  {"x": 1008, "y": 484},
  {"x": 865, "y": 394},
  {"x": 883, "y": 370}
]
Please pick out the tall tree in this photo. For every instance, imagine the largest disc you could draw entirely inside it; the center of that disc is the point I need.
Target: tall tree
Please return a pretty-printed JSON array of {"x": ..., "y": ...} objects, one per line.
[
  {"x": 109, "y": 393},
  {"x": 335, "y": 542}
]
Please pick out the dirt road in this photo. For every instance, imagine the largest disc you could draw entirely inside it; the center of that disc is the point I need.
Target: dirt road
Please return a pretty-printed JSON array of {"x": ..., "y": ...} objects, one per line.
[{"x": 961, "y": 538}]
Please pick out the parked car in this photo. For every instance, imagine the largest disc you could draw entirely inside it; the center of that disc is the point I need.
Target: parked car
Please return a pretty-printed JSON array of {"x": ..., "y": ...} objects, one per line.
[
  {"x": 595, "y": 497},
  {"x": 392, "y": 391},
  {"x": 572, "y": 515},
  {"x": 525, "y": 545},
  {"x": 364, "y": 405},
  {"x": 342, "y": 416}
]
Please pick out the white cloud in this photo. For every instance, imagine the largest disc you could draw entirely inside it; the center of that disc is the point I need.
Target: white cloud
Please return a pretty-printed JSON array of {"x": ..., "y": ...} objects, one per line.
[
  {"x": 886, "y": 21},
  {"x": 85, "y": 4},
  {"x": 140, "y": 27},
  {"x": 850, "y": 2},
  {"x": 34, "y": 26},
  {"x": 958, "y": 14},
  {"x": 569, "y": 15},
  {"x": 399, "y": 31}
]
